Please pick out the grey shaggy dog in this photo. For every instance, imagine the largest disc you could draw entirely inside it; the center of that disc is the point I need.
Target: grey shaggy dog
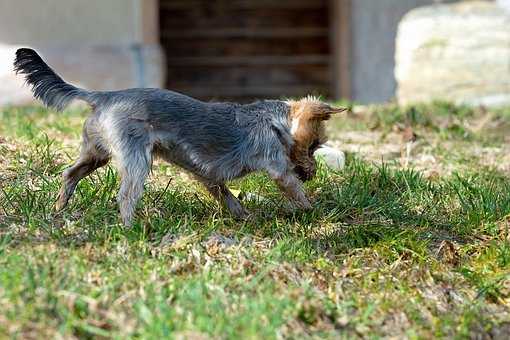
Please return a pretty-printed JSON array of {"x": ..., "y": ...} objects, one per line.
[{"x": 216, "y": 142}]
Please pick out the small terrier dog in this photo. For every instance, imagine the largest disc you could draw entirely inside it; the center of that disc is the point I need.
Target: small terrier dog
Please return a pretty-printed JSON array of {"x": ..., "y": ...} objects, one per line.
[{"x": 216, "y": 142}]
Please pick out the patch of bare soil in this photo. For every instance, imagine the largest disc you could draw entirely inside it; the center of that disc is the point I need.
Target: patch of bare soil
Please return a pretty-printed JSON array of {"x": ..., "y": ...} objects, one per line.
[{"x": 426, "y": 153}]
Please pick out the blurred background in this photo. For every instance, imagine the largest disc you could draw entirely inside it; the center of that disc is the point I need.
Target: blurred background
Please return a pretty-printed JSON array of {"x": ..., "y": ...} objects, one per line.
[{"x": 245, "y": 49}]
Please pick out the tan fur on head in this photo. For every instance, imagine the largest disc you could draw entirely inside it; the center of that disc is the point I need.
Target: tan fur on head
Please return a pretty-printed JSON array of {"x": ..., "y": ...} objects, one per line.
[{"x": 306, "y": 117}]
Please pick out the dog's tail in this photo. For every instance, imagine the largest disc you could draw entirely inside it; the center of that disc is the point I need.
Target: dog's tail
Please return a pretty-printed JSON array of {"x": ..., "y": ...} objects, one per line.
[{"x": 46, "y": 85}]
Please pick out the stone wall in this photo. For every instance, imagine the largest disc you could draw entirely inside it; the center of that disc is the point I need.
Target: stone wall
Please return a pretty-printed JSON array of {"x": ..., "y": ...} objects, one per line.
[
  {"x": 60, "y": 22},
  {"x": 374, "y": 29},
  {"x": 459, "y": 53}
]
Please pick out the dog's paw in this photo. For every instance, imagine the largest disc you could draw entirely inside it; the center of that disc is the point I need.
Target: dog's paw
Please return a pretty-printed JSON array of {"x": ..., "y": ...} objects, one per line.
[
  {"x": 241, "y": 214},
  {"x": 60, "y": 205}
]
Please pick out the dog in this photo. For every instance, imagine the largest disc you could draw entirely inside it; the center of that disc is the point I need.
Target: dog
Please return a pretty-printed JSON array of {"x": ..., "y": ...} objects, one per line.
[{"x": 216, "y": 142}]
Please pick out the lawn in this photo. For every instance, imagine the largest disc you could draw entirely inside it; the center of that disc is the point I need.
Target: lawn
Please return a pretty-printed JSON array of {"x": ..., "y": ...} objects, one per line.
[{"x": 410, "y": 240}]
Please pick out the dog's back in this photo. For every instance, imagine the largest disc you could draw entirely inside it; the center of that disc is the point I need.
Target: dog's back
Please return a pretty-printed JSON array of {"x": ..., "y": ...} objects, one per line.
[{"x": 221, "y": 140}]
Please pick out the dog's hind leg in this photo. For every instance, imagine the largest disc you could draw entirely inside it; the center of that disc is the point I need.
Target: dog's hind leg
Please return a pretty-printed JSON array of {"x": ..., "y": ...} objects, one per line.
[
  {"x": 90, "y": 160},
  {"x": 221, "y": 193},
  {"x": 134, "y": 166}
]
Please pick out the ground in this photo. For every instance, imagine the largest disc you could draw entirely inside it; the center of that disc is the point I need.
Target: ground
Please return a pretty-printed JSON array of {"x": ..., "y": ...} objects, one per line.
[{"x": 409, "y": 240}]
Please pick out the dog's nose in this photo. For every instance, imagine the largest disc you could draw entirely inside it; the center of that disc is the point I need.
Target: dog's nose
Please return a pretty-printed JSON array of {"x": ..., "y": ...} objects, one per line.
[{"x": 303, "y": 174}]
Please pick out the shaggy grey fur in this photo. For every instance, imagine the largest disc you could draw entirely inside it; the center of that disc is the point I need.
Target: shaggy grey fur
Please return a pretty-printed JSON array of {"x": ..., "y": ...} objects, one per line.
[{"x": 217, "y": 142}]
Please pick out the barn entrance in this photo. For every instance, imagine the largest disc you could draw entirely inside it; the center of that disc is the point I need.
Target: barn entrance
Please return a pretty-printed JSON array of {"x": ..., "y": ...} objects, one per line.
[{"x": 246, "y": 49}]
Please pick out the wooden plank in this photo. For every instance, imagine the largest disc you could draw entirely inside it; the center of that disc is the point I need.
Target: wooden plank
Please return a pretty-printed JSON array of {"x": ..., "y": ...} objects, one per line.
[
  {"x": 245, "y": 47},
  {"x": 248, "y": 60},
  {"x": 249, "y": 76},
  {"x": 296, "y": 33},
  {"x": 285, "y": 4},
  {"x": 150, "y": 21},
  {"x": 269, "y": 91},
  {"x": 246, "y": 4},
  {"x": 205, "y": 18},
  {"x": 340, "y": 25}
]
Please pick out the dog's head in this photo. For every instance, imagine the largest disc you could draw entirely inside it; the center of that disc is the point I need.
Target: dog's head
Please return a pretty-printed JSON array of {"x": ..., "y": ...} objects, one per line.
[{"x": 306, "y": 118}]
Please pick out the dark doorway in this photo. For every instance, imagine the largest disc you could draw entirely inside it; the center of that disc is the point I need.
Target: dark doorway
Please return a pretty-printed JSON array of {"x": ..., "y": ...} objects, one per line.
[{"x": 246, "y": 49}]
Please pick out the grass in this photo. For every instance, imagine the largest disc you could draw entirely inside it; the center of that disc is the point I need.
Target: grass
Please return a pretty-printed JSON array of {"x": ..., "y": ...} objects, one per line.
[{"x": 391, "y": 248}]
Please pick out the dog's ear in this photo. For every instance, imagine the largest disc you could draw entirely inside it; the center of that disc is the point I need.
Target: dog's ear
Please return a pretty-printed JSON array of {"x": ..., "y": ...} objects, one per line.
[
  {"x": 325, "y": 111},
  {"x": 312, "y": 109}
]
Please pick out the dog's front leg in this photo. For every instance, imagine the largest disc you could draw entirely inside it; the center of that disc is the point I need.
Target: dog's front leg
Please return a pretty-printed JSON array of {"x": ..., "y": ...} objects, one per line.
[
  {"x": 225, "y": 196},
  {"x": 292, "y": 187}
]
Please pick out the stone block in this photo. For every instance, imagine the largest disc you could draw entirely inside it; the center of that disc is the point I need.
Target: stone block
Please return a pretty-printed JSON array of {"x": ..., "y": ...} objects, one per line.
[{"x": 455, "y": 52}]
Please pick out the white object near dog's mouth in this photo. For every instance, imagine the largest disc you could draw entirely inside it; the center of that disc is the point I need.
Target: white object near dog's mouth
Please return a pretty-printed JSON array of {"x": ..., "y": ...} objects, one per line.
[{"x": 334, "y": 158}]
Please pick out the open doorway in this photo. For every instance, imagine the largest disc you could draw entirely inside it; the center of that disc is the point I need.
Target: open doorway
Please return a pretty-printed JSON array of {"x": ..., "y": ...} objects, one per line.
[{"x": 246, "y": 49}]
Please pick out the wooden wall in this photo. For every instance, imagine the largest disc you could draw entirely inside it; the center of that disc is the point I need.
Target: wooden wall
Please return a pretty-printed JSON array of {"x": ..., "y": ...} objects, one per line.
[{"x": 246, "y": 49}]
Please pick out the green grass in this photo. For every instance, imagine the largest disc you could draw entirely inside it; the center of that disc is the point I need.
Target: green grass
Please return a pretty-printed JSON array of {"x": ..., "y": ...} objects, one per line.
[{"x": 388, "y": 250}]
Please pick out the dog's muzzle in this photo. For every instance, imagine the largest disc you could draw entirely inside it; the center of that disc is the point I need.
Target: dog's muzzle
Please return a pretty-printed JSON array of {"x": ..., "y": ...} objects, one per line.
[{"x": 304, "y": 174}]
